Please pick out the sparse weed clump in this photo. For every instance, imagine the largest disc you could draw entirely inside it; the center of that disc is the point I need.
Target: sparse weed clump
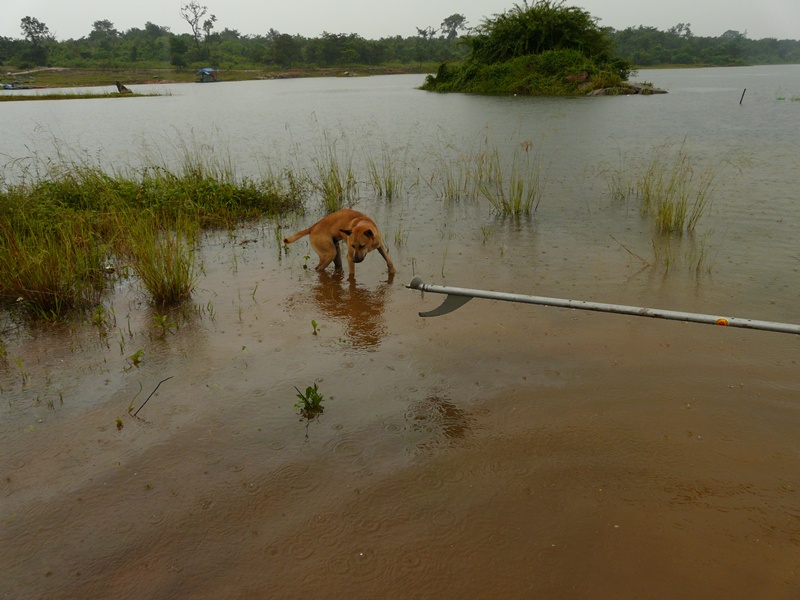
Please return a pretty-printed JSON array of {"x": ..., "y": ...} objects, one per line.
[
  {"x": 517, "y": 189},
  {"x": 671, "y": 187},
  {"x": 163, "y": 258},
  {"x": 336, "y": 181},
  {"x": 513, "y": 182},
  {"x": 674, "y": 190},
  {"x": 385, "y": 175}
]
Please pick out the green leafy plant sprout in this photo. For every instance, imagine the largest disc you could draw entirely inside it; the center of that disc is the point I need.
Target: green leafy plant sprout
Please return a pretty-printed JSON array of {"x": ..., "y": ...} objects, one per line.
[
  {"x": 136, "y": 358},
  {"x": 315, "y": 327},
  {"x": 161, "y": 322},
  {"x": 23, "y": 373},
  {"x": 310, "y": 403}
]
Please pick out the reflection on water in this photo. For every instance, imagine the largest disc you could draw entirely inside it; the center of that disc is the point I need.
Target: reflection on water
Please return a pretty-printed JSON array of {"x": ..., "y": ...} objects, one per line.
[
  {"x": 441, "y": 418},
  {"x": 357, "y": 307}
]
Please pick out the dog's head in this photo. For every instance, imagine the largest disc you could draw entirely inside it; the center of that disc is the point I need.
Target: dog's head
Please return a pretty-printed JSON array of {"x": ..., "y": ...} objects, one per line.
[{"x": 361, "y": 240}]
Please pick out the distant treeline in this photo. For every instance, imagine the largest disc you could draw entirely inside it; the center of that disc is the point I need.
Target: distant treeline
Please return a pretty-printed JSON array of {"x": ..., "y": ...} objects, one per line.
[
  {"x": 156, "y": 46},
  {"x": 647, "y": 46}
]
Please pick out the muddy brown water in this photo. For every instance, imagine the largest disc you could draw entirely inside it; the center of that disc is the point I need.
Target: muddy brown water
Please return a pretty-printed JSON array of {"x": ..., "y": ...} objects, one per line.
[{"x": 499, "y": 451}]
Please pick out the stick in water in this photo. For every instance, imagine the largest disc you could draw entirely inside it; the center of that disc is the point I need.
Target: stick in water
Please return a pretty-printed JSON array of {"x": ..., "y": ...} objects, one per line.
[{"x": 151, "y": 394}]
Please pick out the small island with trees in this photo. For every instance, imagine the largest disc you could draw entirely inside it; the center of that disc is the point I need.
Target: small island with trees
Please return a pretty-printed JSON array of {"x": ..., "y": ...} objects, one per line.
[{"x": 543, "y": 49}]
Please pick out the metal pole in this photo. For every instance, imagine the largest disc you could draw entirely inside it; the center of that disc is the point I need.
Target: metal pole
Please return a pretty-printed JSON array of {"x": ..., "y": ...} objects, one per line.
[{"x": 457, "y": 297}]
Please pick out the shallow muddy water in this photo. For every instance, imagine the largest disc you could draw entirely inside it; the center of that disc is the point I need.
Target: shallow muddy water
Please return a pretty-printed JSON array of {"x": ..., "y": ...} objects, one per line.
[{"x": 502, "y": 450}]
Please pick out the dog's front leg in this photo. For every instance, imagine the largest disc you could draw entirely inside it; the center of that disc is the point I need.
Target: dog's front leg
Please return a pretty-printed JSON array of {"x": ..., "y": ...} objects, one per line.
[{"x": 385, "y": 254}]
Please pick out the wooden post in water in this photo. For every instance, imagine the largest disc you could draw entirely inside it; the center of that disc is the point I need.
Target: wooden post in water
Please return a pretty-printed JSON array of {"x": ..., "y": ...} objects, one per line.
[{"x": 742, "y": 98}]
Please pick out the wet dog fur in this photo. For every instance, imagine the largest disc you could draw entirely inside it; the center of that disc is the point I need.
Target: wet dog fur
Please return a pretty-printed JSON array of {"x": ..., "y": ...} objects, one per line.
[{"x": 359, "y": 232}]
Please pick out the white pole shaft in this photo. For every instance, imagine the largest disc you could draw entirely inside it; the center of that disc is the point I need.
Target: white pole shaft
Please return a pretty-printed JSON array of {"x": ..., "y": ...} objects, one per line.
[{"x": 636, "y": 311}]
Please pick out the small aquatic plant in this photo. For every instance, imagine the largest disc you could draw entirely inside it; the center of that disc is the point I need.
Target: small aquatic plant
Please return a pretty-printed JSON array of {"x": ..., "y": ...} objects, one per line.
[
  {"x": 310, "y": 402},
  {"x": 25, "y": 375},
  {"x": 135, "y": 359},
  {"x": 163, "y": 324}
]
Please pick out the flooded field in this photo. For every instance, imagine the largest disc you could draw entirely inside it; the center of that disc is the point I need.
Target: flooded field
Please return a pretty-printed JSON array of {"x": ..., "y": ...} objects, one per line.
[{"x": 502, "y": 450}]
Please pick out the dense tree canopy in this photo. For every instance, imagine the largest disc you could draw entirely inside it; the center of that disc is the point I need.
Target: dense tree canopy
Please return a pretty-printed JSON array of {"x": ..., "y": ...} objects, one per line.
[
  {"x": 648, "y": 46},
  {"x": 157, "y": 46},
  {"x": 543, "y": 48},
  {"x": 544, "y": 27},
  {"x": 538, "y": 28}
]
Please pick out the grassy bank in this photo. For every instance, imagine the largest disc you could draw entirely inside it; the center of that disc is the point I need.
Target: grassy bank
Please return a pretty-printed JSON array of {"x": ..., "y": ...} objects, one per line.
[
  {"x": 55, "y": 77},
  {"x": 14, "y": 97},
  {"x": 67, "y": 236}
]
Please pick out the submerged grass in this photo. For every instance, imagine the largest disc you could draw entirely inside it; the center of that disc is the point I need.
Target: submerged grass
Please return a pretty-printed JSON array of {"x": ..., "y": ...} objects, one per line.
[
  {"x": 671, "y": 187},
  {"x": 62, "y": 230},
  {"x": 513, "y": 184},
  {"x": 517, "y": 189},
  {"x": 385, "y": 175},
  {"x": 675, "y": 192},
  {"x": 336, "y": 181},
  {"x": 162, "y": 256}
]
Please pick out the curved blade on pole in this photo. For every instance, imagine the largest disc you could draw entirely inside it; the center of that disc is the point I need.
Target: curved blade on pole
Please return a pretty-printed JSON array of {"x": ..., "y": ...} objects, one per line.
[
  {"x": 450, "y": 304},
  {"x": 457, "y": 297}
]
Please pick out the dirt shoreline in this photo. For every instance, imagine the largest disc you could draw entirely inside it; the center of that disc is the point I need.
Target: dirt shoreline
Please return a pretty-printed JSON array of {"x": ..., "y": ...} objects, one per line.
[{"x": 71, "y": 77}]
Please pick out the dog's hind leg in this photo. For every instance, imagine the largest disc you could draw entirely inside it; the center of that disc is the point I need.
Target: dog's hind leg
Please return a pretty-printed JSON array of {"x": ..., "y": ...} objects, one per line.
[
  {"x": 328, "y": 252},
  {"x": 337, "y": 262}
]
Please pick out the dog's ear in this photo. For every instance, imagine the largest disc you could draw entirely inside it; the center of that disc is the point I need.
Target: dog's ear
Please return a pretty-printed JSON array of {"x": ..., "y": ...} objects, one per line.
[
  {"x": 347, "y": 232},
  {"x": 369, "y": 233}
]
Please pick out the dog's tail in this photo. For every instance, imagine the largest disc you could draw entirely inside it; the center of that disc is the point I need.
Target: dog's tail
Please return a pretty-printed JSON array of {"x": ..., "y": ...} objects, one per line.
[{"x": 296, "y": 236}]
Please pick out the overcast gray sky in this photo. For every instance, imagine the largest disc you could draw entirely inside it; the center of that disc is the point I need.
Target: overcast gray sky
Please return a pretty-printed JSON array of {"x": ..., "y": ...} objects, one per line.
[{"x": 382, "y": 18}]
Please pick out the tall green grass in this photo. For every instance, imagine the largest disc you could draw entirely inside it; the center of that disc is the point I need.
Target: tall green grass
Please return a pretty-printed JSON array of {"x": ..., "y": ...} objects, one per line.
[
  {"x": 64, "y": 222},
  {"x": 515, "y": 187},
  {"x": 385, "y": 175},
  {"x": 162, "y": 256},
  {"x": 671, "y": 186},
  {"x": 335, "y": 178},
  {"x": 675, "y": 190},
  {"x": 511, "y": 180},
  {"x": 54, "y": 266}
]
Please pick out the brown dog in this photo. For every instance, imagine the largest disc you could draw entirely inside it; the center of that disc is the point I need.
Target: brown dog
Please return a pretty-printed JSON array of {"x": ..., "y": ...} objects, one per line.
[{"x": 359, "y": 232}]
